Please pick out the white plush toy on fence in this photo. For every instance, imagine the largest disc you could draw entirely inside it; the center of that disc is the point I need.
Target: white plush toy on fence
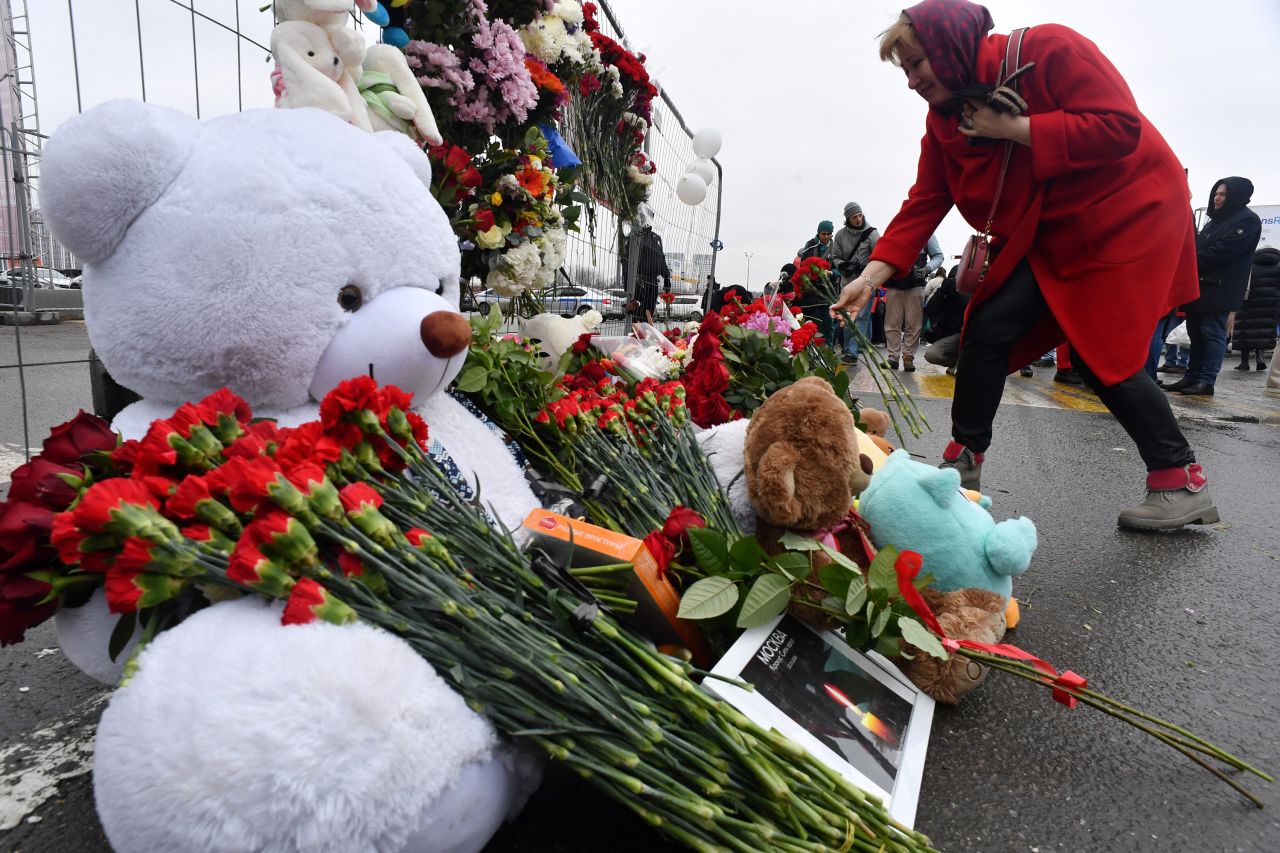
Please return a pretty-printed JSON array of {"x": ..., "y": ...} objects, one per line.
[
  {"x": 235, "y": 252},
  {"x": 308, "y": 71},
  {"x": 381, "y": 91}
]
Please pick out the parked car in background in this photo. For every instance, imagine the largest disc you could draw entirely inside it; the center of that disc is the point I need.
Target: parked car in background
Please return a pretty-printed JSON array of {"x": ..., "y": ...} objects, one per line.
[
  {"x": 684, "y": 306},
  {"x": 43, "y": 278},
  {"x": 565, "y": 300}
]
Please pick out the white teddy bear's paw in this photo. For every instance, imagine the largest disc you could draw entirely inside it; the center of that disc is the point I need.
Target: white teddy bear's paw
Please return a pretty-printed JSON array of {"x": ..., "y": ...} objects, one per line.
[
  {"x": 84, "y": 635},
  {"x": 238, "y": 733}
]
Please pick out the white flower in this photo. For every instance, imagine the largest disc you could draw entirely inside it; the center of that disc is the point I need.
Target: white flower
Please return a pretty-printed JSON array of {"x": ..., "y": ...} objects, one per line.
[
  {"x": 501, "y": 283},
  {"x": 569, "y": 11},
  {"x": 523, "y": 261}
]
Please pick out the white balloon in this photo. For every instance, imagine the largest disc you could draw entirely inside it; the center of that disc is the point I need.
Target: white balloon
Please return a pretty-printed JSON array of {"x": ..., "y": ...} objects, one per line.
[
  {"x": 706, "y": 143},
  {"x": 691, "y": 188},
  {"x": 703, "y": 169}
]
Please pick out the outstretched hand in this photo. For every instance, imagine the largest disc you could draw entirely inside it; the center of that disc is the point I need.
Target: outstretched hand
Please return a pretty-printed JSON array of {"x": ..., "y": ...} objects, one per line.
[{"x": 855, "y": 295}]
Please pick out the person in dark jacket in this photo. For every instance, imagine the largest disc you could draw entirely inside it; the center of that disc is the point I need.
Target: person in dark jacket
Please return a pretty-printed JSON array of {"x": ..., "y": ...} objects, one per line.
[
  {"x": 813, "y": 305},
  {"x": 1256, "y": 320},
  {"x": 1224, "y": 255},
  {"x": 651, "y": 266},
  {"x": 944, "y": 318}
]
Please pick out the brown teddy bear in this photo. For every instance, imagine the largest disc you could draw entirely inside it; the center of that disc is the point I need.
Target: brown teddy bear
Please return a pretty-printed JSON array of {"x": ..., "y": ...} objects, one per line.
[
  {"x": 876, "y": 425},
  {"x": 966, "y": 614},
  {"x": 803, "y": 469}
]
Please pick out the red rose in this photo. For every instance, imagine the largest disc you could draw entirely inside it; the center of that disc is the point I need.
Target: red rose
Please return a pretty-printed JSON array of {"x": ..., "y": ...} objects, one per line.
[
  {"x": 679, "y": 521},
  {"x": 483, "y": 220},
  {"x": 22, "y": 521},
  {"x": 38, "y": 482},
  {"x": 19, "y": 607},
  {"x": 662, "y": 549},
  {"x": 85, "y": 433},
  {"x": 583, "y": 343}
]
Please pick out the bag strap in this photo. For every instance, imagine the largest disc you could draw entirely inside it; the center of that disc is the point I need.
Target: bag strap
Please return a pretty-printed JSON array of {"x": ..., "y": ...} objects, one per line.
[{"x": 1012, "y": 59}]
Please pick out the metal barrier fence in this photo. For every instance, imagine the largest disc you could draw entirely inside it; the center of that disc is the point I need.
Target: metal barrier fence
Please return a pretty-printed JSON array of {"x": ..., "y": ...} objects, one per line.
[{"x": 211, "y": 58}]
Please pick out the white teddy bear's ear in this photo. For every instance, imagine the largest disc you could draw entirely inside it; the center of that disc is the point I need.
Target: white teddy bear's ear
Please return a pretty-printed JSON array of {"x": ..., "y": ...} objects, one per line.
[
  {"x": 407, "y": 151},
  {"x": 104, "y": 167}
]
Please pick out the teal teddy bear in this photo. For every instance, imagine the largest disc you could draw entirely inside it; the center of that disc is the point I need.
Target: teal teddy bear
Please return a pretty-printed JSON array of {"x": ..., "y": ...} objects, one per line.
[{"x": 915, "y": 506}]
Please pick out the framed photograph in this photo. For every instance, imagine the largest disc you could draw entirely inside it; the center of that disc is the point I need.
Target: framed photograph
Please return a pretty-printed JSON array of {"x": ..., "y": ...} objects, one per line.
[{"x": 858, "y": 715}]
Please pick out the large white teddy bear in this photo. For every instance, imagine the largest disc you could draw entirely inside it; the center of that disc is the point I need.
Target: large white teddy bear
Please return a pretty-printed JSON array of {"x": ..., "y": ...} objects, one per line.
[{"x": 278, "y": 252}]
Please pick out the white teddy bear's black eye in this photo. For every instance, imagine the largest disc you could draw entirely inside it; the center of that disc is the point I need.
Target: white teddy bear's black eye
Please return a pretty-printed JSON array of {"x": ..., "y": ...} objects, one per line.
[
  {"x": 350, "y": 298},
  {"x": 311, "y": 53}
]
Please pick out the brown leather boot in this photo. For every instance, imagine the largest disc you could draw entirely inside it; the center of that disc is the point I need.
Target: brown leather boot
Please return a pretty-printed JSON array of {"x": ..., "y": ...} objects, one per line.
[{"x": 1175, "y": 497}]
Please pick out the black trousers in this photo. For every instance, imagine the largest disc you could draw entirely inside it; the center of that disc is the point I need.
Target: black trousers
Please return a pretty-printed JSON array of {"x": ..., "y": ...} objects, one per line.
[{"x": 1000, "y": 322}]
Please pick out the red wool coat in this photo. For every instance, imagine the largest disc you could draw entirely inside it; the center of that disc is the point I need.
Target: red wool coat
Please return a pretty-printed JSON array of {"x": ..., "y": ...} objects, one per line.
[{"x": 1098, "y": 205}]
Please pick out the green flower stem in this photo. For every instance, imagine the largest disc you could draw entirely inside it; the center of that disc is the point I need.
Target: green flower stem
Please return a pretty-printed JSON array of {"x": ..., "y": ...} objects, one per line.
[{"x": 1138, "y": 720}]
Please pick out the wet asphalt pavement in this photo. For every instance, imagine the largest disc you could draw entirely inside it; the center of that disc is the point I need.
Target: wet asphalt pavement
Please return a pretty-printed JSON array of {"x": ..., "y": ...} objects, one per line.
[{"x": 1181, "y": 625}]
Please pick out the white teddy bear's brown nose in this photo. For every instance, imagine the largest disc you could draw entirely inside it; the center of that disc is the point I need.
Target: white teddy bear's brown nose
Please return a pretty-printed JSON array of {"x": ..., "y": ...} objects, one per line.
[{"x": 445, "y": 333}]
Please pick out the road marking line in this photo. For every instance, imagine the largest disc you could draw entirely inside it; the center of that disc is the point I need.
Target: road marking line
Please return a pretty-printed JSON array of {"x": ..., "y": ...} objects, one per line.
[{"x": 31, "y": 769}]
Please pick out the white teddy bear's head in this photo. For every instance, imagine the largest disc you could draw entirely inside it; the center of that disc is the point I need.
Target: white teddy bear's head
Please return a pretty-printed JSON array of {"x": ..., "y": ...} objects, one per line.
[{"x": 276, "y": 252}]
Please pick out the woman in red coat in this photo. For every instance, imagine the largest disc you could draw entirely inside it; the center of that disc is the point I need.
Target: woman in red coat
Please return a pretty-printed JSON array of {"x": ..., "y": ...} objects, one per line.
[{"x": 1092, "y": 239}]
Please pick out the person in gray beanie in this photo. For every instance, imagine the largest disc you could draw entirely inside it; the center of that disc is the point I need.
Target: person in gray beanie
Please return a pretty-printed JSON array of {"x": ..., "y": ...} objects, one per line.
[{"x": 850, "y": 250}]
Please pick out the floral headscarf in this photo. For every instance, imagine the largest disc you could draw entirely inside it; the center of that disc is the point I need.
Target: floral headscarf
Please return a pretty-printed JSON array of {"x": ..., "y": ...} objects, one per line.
[{"x": 949, "y": 32}]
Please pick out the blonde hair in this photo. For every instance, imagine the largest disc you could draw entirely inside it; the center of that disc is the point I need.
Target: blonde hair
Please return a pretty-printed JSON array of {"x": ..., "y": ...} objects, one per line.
[{"x": 899, "y": 37}]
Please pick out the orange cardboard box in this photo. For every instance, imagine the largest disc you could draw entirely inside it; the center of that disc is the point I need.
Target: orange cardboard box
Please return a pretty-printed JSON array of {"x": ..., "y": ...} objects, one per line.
[{"x": 597, "y": 546}]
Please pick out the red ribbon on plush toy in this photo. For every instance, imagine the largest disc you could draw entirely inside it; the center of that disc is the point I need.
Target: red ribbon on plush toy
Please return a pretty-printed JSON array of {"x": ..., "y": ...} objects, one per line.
[{"x": 908, "y": 565}]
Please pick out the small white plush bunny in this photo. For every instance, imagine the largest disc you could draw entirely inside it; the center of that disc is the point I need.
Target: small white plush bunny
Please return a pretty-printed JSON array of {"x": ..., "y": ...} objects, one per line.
[
  {"x": 400, "y": 110},
  {"x": 308, "y": 69}
]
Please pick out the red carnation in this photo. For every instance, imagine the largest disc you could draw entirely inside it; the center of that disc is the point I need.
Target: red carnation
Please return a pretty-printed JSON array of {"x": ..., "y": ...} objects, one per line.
[
  {"x": 85, "y": 433},
  {"x": 354, "y": 395},
  {"x": 358, "y": 497},
  {"x": 224, "y": 402},
  {"x": 100, "y": 505},
  {"x": 249, "y": 490}
]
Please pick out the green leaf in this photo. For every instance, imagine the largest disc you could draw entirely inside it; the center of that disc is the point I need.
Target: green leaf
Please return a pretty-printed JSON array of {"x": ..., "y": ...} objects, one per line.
[
  {"x": 836, "y": 579},
  {"x": 889, "y": 645},
  {"x": 711, "y": 550},
  {"x": 837, "y": 557},
  {"x": 120, "y": 634},
  {"x": 796, "y": 542},
  {"x": 768, "y": 597},
  {"x": 881, "y": 576},
  {"x": 882, "y": 621},
  {"x": 921, "y": 637},
  {"x": 472, "y": 379},
  {"x": 708, "y": 598},
  {"x": 856, "y": 597},
  {"x": 794, "y": 566},
  {"x": 746, "y": 555}
]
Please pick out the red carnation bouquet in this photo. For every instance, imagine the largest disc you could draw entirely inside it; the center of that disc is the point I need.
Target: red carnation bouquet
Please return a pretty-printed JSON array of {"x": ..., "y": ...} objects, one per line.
[{"x": 348, "y": 518}]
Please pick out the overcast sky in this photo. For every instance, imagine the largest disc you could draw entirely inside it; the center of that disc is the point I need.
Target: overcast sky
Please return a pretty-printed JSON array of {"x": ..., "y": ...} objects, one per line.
[{"x": 811, "y": 118}]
